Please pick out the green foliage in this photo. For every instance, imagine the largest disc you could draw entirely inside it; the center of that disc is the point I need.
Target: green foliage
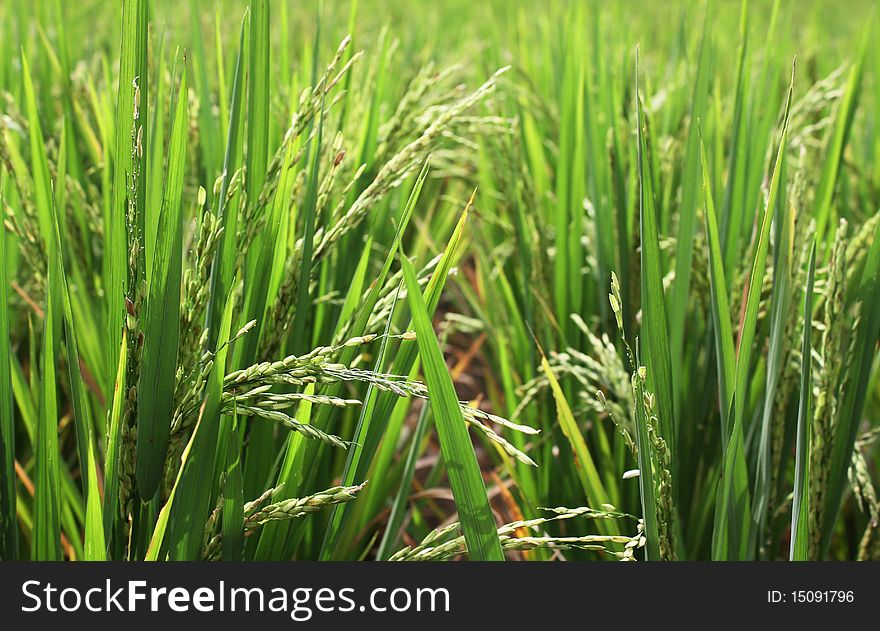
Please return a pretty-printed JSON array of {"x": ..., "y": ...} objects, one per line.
[{"x": 211, "y": 343}]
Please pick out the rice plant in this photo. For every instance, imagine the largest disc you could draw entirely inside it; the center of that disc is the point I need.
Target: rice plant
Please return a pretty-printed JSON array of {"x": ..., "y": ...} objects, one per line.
[{"x": 340, "y": 280}]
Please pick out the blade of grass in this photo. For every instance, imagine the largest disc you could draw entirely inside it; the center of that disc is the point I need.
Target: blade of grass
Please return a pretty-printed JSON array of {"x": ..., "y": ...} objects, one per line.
[
  {"x": 837, "y": 140},
  {"x": 367, "y": 433},
  {"x": 224, "y": 258},
  {"x": 156, "y": 164},
  {"x": 800, "y": 511},
  {"x": 584, "y": 464},
  {"x": 390, "y": 536},
  {"x": 274, "y": 540},
  {"x": 779, "y": 307},
  {"x": 39, "y": 164},
  {"x": 112, "y": 513},
  {"x": 258, "y": 99},
  {"x": 732, "y": 208},
  {"x": 94, "y": 547},
  {"x": 266, "y": 265},
  {"x": 406, "y": 358},
  {"x": 161, "y": 328},
  {"x": 730, "y": 537},
  {"x": 306, "y": 450},
  {"x": 722, "y": 329},
  {"x": 334, "y": 525},
  {"x": 655, "y": 327},
  {"x": 679, "y": 297},
  {"x": 132, "y": 73},
  {"x": 158, "y": 547},
  {"x": 233, "y": 497},
  {"x": 209, "y": 127},
  {"x": 95, "y": 544},
  {"x": 8, "y": 524},
  {"x": 298, "y": 335},
  {"x": 196, "y": 493},
  {"x": 462, "y": 467},
  {"x": 46, "y": 545}
]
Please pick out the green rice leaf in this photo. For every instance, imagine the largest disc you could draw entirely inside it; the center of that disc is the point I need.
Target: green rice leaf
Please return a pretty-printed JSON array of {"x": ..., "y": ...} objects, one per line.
[
  {"x": 131, "y": 110},
  {"x": 465, "y": 478},
  {"x": 837, "y": 139},
  {"x": 800, "y": 511},
  {"x": 258, "y": 98},
  {"x": 354, "y": 454},
  {"x": 161, "y": 327},
  {"x": 197, "y": 486},
  {"x": 723, "y": 332},
  {"x": 39, "y": 162},
  {"x": 732, "y": 510},
  {"x": 46, "y": 545},
  {"x": 779, "y": 308},
  {"x": 655, "y": 327},
  {"x": 95, "y": 547},
  {"x": 233, "y": 496},
  {"x": 112, "y": 513},
  {"x": 298, "y": 335},
  {"x": 222, "y": 266},
  {"x": 584, "y": 465},
  {"x": 401, "y": 500},
  {"x": 679, "y": 298},
  {"x": 8, "y": 513}
]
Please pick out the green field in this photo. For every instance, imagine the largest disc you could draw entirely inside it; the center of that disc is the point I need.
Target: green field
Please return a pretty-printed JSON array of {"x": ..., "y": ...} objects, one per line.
[{"x": 354, "y": 280}]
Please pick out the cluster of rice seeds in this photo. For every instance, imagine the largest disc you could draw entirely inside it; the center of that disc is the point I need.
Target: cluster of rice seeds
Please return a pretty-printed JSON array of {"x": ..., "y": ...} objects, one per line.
[
  {"x": 866, "y": 494},
  {"x": 135, "y": 296},
  {"x": 790, "y": 367},
  {"x": 660, "y": 464},
  {"x": 445, "y": 543},
  {"x": 189, "y": 395},
  {"x": 827, "y": 380},
  {"x": 603, "y": 382},
  {"x": 257, "y": 513},
  {"x": 316, "y": 367},
  {"x": 25, "y": 223},
  {"x": 310, "y": 108},
  {"x": 401, "y": 164},
  {"x": 389, "y": 176},
  {"x": 195, "y": 292},
  {"x": 659, "y": 457}
]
